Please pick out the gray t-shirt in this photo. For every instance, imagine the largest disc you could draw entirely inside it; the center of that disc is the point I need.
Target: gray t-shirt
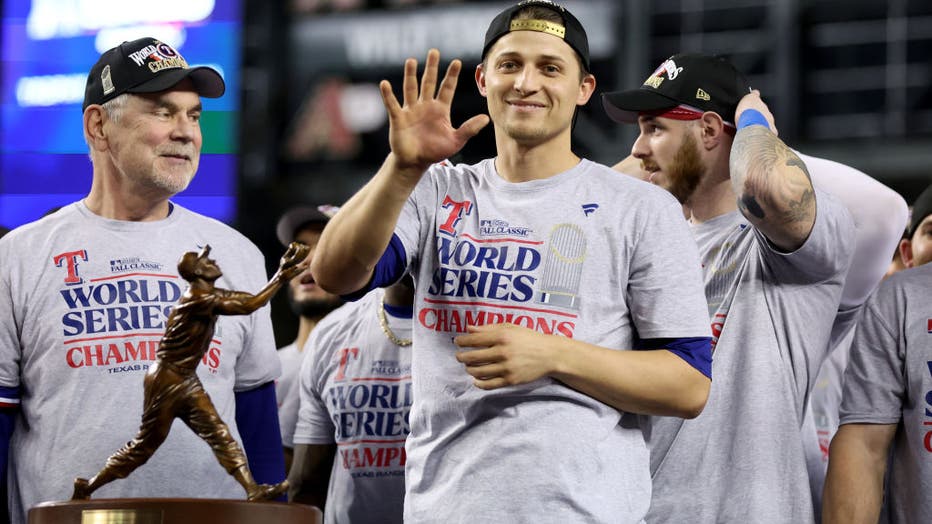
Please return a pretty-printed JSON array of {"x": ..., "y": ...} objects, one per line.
[
  {"x": 85, "y": 301},
  {"x": 742, "y": 459},
  {"x": 355, "y": 389},
  {"x": 820, "y": 421},
  {"x": 587, "y": 254},
  {"x": 889, "y": 381},
  {"x": 287, "y": 391}
]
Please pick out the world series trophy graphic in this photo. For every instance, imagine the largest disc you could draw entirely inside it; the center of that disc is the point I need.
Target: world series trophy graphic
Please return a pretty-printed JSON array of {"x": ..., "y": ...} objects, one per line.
[{"x": 173, "y": 390}]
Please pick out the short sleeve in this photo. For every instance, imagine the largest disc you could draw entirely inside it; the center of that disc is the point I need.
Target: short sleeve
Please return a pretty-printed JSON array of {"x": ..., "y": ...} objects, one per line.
[
  {"x": 10, "y": 350},
  {"x": 874, "y": 384},
  {"x": 824, "y": 255},
  {"x": 665, "y": 289},
  {"x": 413, "y": 215},
  {"x": 314, "y": 424},
  {"x": 258, "y": 362}
]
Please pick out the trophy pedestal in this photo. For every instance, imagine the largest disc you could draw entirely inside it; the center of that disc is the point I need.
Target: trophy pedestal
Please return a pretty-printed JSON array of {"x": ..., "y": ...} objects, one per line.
[{"x": 172, "y": 511}]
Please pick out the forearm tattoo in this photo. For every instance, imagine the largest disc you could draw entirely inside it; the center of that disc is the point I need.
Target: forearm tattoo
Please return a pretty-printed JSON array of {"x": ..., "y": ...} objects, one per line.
[{"x": 767, "y": 190}]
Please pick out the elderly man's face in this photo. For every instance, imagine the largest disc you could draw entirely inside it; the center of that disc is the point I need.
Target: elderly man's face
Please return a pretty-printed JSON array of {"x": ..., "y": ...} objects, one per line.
[{"x": 155, "y": 145}]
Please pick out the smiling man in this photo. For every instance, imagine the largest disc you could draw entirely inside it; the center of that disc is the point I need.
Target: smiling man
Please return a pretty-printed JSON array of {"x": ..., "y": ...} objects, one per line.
[
  {"x": 86, "y": 293},
  {"x": 536, "y": 273}
]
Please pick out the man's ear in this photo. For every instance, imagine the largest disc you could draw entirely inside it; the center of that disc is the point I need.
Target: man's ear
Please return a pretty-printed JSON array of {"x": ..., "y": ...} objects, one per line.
[
  {"x": 94, "y": 119},
  {"x": 713, "y": 129},
  {"x": 586, "y": 88},
  {"x": 906, "y": 252},
  {"x": 480, "y": 79}
]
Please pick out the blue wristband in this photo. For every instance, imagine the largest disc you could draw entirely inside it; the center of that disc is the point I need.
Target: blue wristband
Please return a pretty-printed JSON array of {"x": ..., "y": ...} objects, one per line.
[{"x": 752, "y": 117}]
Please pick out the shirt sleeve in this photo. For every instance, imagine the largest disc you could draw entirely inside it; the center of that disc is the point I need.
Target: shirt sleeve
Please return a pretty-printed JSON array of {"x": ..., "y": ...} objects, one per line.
[
  {"x": 388, "y": 270},
  {"x": 257, "y": 420},
  {"x": 9, "y": 402},
  {"x": 10, "y": 357},
  {"x": 874, "y": 384},
  {"x": 258, "y": 361},
  {"x": 416, "y": 215},
  {"x": 314, "y": 423},
  {"x": 10, "y": 349},
  {"x": 696, "y": 351},
  {"x": 402, "y": 249},
  {"x": 665, "y": 290},
  {"x": 826, "y": 252}
]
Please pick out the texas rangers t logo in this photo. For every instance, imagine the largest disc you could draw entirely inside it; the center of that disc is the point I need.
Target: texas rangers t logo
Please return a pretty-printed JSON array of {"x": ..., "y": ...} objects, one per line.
[
  {"x": 344, "y": 360},
  {"x": 71, "y": 262},
  {"x": 457, "y": 210}
]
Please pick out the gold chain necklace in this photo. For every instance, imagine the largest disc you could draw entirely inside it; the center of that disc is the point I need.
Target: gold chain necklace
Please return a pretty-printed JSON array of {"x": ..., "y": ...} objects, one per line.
[{"x": 383, "y": 322}]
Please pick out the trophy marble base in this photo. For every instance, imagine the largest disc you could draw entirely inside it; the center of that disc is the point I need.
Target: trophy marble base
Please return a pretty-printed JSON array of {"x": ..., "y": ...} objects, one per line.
[{"x": 172, "y": 511}]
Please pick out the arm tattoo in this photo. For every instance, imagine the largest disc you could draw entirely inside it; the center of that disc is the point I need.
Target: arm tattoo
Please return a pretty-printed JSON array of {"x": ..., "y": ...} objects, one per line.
[
  {"x": 766, "y": 190},
  {"x": 748, "y": 204}
]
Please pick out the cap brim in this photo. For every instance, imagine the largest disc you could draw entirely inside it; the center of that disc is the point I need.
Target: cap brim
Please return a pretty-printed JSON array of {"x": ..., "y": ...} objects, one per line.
[
  {"x": 296, "y": 219},
  {"x": 625, "y": 106},
  {"x": 207, "y": 82}
]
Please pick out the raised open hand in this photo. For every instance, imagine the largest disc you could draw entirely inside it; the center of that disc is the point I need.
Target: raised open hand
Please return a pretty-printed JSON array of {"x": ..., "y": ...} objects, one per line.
[{"x": 420, "y": 131}]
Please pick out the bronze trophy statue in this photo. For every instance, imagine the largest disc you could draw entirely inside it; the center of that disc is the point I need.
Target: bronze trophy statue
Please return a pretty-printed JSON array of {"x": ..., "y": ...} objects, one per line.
[{"x": 172, "y": 387}]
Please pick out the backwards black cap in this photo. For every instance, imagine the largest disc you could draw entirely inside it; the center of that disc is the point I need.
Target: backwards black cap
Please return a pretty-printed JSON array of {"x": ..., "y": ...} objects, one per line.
[
  {"x": 704, "y": 82},
  {"x": 146, "y": 65},
  {"x": 922, "y": 208},
  {"x": 571, "y": 31}
]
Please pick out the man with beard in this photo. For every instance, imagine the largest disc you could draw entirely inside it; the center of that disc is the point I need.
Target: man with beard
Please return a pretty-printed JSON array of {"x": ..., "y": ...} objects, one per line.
[
  {"x": 775, "y": 250},
  {"x": 86, "y": 291},
  {"x": 878, "y": 213},
  {"x": 310, "y": 303}
]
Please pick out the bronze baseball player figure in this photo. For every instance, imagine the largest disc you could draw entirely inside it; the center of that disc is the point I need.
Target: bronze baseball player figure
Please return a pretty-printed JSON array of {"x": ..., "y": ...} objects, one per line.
[{"x": 172, "y": 387}]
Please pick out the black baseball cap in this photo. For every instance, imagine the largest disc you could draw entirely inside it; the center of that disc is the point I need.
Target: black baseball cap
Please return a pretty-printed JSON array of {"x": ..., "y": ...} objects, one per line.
[
  {"x": 705, "y": 82},
  {"x": 146, "y": 65},
  {"x": 571, "y": 32},
  {"x": 297, "y": 218},
  {"x": 922, "y": 208}
]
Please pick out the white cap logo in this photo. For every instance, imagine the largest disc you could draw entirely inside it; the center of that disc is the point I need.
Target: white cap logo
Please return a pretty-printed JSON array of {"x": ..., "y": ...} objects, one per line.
[{"x": 672, "y": 70}]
